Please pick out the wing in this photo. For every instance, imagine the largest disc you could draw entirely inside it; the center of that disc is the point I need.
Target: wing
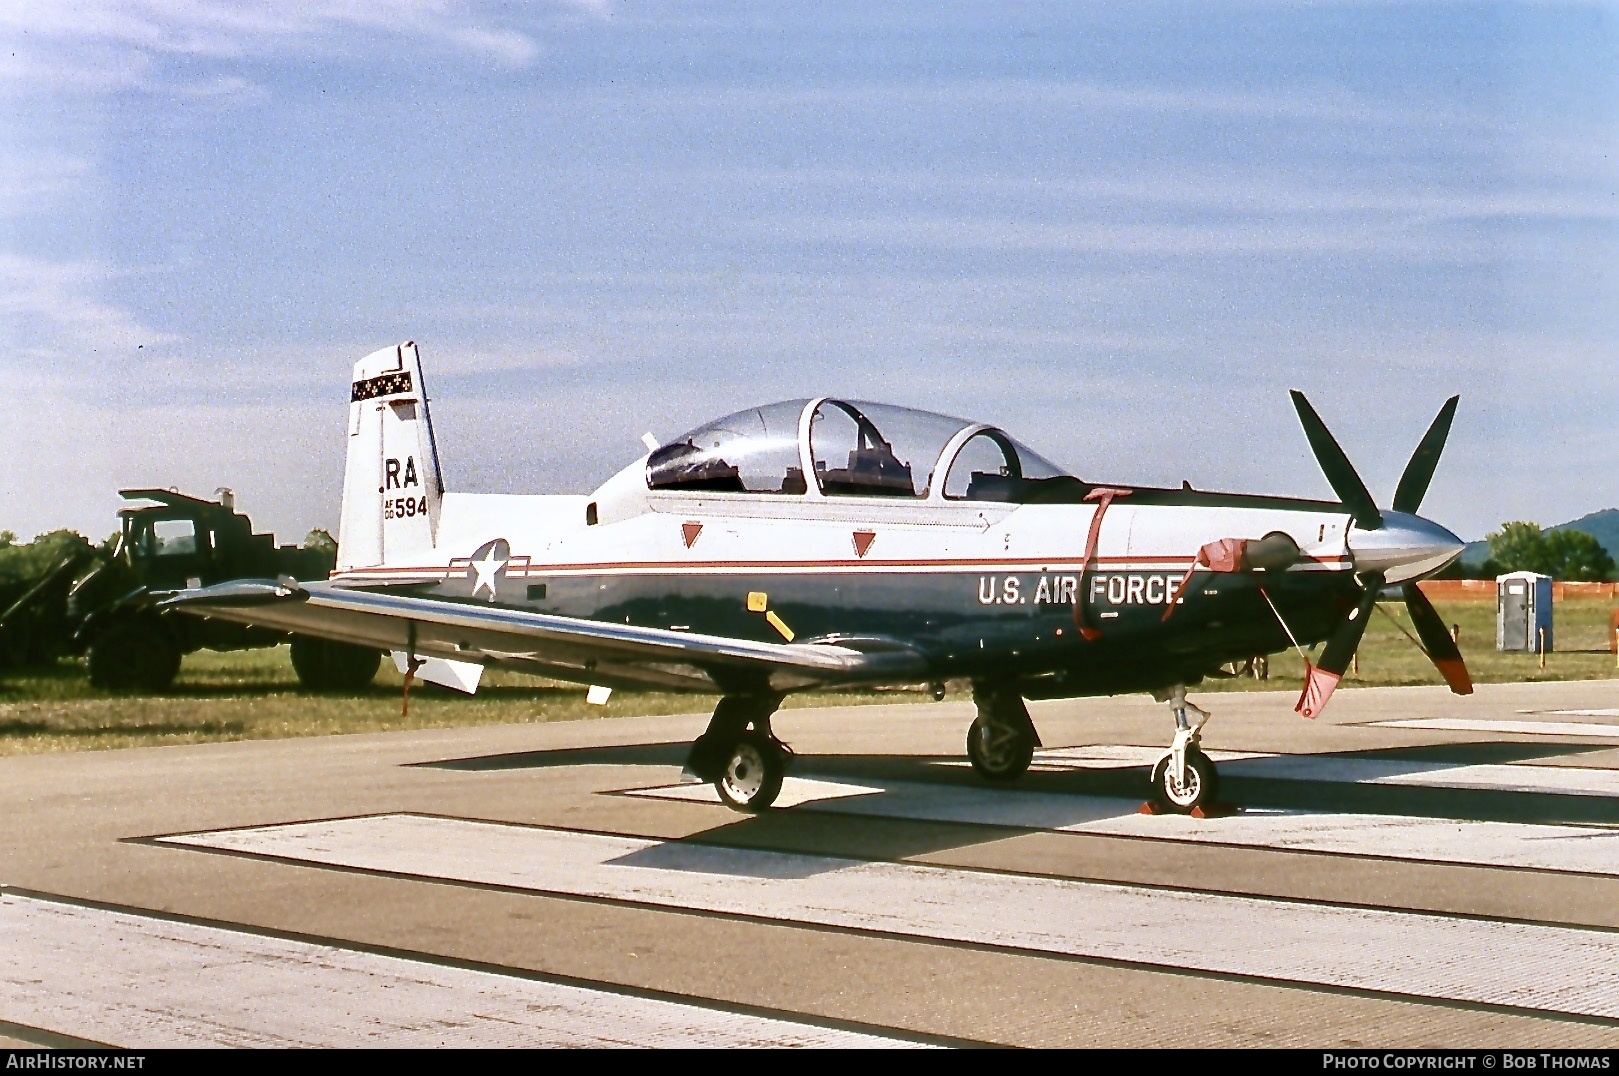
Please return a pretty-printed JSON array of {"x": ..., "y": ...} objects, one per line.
[{"x": 565, "y": 648}]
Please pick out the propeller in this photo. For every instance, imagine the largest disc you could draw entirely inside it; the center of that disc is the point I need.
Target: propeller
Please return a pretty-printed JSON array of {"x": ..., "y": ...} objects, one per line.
[{"x": 1436, "y": 642}]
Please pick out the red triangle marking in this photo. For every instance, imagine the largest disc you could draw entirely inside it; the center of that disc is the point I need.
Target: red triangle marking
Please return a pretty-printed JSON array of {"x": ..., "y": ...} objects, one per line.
[
  {"x": 690, "y": 531},
  {"x": 862, "y": 542}
]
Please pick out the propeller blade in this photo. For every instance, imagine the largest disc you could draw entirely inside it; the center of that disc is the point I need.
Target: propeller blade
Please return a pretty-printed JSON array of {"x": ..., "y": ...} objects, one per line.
[
  {"x": 1335, "y": 465},
  {"x": 1322, "y": 678},
  {"x": 1341, "y": 646},
  {"x": 1436, "y": 640},
  {"x": 1419, "y": 472}
]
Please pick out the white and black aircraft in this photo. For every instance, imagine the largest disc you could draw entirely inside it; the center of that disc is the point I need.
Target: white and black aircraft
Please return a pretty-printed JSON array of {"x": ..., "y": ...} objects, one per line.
[{"x": 836, "y": 542}]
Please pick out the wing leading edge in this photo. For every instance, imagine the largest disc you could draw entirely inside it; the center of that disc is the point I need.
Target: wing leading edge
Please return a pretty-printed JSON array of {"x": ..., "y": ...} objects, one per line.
[{"x": 564, "y": 648}]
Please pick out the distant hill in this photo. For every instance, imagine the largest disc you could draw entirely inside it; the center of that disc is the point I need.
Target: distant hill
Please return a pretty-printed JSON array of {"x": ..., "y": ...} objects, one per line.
[{"x": 1603, "y": 526}]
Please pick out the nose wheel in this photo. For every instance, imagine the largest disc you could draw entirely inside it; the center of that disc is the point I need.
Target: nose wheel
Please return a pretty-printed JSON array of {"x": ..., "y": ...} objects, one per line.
[
  {"x": 1196, "y": 785},
  {"x": 1185, "y": 779}
]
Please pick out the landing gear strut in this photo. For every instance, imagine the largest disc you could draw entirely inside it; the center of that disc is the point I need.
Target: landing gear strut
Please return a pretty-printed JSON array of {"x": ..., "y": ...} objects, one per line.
[
  {"x": 740, "y": 754},
  {"x": 1001, "y": 739},
  {"x": 1185, "y": 778}
]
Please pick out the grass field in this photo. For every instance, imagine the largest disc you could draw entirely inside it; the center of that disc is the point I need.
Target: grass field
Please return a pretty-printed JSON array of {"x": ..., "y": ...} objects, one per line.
[
  {"x": 254, "y": 694},
  {"x": 1388, "y": 658}
]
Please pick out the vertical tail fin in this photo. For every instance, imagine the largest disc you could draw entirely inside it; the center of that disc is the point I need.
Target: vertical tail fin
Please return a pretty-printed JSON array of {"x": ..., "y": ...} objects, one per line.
[{"x": 392, "y": 486}]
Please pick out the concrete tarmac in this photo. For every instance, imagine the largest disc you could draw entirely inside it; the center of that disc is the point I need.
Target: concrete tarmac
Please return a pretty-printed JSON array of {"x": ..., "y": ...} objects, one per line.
[{"x": 1414, "y": 870}]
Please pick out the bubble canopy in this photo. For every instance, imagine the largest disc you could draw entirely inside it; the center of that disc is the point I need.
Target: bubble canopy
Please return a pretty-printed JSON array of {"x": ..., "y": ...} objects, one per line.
[{"x": 852, "y": 448}]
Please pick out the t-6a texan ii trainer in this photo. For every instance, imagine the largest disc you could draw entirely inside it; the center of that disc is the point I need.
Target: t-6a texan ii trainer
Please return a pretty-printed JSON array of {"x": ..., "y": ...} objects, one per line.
[{"x": 837, "y": 542}]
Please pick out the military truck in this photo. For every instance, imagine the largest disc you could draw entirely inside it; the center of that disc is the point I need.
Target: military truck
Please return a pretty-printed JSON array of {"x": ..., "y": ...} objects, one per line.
[{"x": 169, "y": 541}]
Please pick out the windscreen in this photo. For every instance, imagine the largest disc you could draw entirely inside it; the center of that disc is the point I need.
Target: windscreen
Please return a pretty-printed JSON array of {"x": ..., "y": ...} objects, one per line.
[{"x": 990, "y": 466}]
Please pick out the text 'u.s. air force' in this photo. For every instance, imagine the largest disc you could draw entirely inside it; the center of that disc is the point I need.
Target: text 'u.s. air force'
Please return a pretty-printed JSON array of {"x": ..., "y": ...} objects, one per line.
[{"x": 1113, "y": 588}]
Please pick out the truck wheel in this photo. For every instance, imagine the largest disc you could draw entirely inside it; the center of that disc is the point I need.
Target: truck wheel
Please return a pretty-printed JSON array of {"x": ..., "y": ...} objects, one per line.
[
  {"x": 135, "y": 655},
  {"x": 325, "y": 665},
  {"x": 350, "y": 667},
  {"x": 309, "y": 661}
]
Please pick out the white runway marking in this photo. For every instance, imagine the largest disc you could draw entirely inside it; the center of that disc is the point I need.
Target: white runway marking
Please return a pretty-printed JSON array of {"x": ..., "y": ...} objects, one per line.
[
  {"x": 1591, "y": 730},
  {"x": 140, "y": 982},
  {"x": 1112, "y": 757},
  {"x": 1427, "y": 773},
  {"x": 1578, "y": 849},
  {"x": 1551, "y": 968},
  {"x": 1574, "y": 713}
]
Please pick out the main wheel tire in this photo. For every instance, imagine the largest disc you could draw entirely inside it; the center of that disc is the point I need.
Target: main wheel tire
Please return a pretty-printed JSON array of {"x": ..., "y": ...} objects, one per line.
[
  {"x": 133, "y": 655},
  {"x": 753, "y": 774},
  {"x": 1200, "y": 788},
  {"x": 326, "y": 665},
  {"x": 999, "y": 750}
]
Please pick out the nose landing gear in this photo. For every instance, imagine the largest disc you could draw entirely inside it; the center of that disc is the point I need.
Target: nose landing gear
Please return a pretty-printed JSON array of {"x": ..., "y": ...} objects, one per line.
[{"x": 1185, "y": 779}]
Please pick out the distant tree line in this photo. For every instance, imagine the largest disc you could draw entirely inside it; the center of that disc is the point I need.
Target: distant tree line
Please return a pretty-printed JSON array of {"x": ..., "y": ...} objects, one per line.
[
  {"x": 1570, "y": 555},
  {"x": 21, "y": 563},
  {"x": 27, "y": 561}
]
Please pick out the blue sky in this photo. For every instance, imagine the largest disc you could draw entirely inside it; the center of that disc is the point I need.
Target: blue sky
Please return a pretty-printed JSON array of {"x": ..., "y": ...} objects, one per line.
[{"x": 1121, "y": 231}]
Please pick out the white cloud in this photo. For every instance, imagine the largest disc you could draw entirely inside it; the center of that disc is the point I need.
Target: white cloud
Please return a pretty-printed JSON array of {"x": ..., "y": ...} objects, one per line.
[
  {"x": 1313, "y": 103},
  {"x": 99, "y": 46},
  {"x": 29, "y": 180},
  {"x": 989, "y": 235},
  {"x": 52, "y": 311}
]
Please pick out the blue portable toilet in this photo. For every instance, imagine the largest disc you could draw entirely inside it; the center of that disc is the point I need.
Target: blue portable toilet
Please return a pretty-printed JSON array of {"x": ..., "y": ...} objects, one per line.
[{"x": 1523, "y": 610}]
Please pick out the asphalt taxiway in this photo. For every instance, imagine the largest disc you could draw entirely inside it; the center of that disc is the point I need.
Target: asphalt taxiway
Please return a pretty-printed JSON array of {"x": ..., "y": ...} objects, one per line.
[{"x": 1415, "y": 870}]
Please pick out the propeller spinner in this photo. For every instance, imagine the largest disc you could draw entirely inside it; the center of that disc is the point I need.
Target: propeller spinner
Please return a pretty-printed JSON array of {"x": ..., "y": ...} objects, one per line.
[{"x": 1395, "y": 546}]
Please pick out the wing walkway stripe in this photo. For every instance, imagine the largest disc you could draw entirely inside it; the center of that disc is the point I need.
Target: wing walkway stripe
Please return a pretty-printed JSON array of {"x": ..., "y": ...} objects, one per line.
[
  {"x": 1573, "y": 849},
  {"x": 147, "y": 982},
  {"x": 1518, "y": 965}
]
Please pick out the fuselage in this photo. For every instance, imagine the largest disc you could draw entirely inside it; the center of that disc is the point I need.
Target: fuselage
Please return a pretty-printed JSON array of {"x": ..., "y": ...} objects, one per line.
[
  {"x": 981, "y": 588},
  {"x": 869, "y": 525}
]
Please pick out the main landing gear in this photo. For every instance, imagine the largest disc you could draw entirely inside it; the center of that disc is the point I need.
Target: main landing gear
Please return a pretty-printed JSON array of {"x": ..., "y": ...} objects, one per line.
[
  {"x": 740, "y": 754},
  {"x": 1185, "y": 778},
  {"x": 1001, "y": 739}
]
